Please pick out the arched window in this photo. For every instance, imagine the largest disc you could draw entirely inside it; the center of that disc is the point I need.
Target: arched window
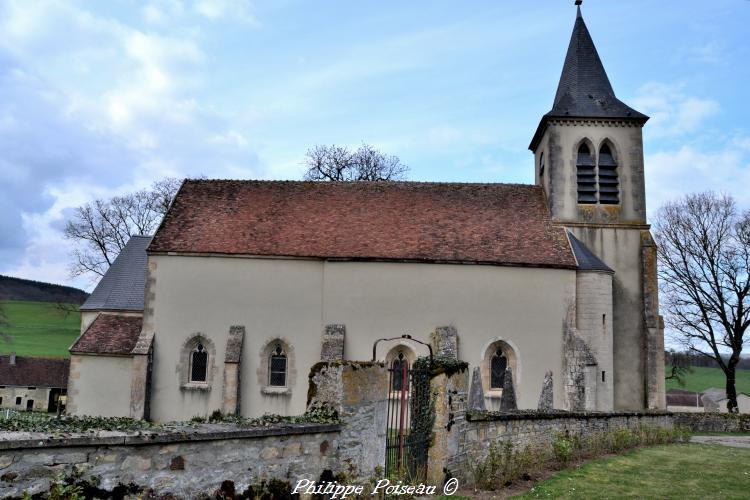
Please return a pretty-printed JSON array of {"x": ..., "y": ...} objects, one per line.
[
  {"x": 586, "y": 175},
  {"x": 198, "y": 364},
  {"x": 277, "y": 367},
  {"x": 498, "y": 359},
  {"x": 498, "y": 365},
  {"x": 609, "y": 191},
  {"x": 399, "y": 366}
]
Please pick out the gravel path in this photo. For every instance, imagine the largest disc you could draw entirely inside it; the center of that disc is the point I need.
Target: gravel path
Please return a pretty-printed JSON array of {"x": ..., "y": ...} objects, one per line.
[{"x": 728, "y": 440}]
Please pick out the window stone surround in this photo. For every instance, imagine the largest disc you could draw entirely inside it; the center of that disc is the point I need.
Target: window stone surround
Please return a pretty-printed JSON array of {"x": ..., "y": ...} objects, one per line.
[
  {"x": 183, "y": 367},
  {"x": 263, "y": 370}
]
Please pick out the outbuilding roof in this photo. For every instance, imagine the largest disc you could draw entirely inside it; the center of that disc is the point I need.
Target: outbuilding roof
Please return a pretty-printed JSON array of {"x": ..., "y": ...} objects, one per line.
[
  {"x": 26, "y": 371},
  {"x": 109, "y": 334},
  {"x": 503, "y": 224},
  {"x": 122, "y": 286}
]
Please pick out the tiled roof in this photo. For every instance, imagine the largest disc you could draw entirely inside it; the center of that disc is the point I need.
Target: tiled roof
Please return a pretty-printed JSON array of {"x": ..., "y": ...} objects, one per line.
[
  {"x": 34, "y": 372},
  {"x": 587, "y": 260},
  {"x": 109, "y": 334},
  {"x": 122, "y": 286},
  {"x": 584, "y": 90},
  {"x": 395, "y": 221}
]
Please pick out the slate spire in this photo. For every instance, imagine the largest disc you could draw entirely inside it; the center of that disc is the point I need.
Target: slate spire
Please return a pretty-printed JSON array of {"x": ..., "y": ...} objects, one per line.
[{"x": 584, "y": 90}]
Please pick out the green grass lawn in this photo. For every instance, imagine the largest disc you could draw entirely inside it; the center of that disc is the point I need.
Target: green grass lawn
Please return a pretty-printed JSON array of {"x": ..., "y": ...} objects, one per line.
[
  {"x": 39, "y": 329},
  {"x": 705, "y": 378},
  {"x": 668, "y": 471}
]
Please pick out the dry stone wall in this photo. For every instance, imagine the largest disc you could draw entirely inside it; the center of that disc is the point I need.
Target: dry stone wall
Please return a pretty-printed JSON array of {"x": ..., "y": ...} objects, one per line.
[
  {"x": 358, "y": 391},
  {"x": 182, "y": 463},
  {"x": 713, "y": 422},
  {"x": 478, "y": 429}
]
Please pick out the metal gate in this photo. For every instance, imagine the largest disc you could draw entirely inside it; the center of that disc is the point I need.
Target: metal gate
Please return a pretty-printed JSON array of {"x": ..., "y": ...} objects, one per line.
[{"x": 409, "y": 426}]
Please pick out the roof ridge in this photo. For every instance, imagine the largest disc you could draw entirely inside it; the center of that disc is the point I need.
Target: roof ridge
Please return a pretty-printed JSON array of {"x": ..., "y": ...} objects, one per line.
[{"x": 357, "y": 183}]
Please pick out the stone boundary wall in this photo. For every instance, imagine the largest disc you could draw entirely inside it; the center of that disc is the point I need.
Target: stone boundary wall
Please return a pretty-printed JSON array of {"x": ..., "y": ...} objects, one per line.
[
  {"x": 478, "y": 429},
  {"x": 182, "y": 462},
  {"x": 358, "y": 391},
  {"x": 713, "y": 422}
]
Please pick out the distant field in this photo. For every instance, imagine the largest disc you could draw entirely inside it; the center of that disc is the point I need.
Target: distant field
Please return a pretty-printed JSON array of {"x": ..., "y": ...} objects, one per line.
[
  {"x": 705, "y": 378},
  {"x": 39, "y": 329}
]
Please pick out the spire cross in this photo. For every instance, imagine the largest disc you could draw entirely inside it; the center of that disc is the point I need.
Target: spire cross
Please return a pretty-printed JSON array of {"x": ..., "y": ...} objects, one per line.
[{"x": 579, "y": 2}]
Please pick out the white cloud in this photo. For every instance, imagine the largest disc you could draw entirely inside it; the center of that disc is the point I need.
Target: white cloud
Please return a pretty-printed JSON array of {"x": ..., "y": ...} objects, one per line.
[
  {"x": 90, "y": 107},
  {"x": 672, "y": 112},
  {"x": 162, "y": 11},
  {"x": 239, "y": 10},
  {"x": 709, "y": 53},
  {"x": 672, "y": 174}
]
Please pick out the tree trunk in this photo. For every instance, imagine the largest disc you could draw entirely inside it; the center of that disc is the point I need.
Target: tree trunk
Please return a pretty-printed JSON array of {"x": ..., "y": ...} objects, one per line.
[{"x": 731, "y": 390}]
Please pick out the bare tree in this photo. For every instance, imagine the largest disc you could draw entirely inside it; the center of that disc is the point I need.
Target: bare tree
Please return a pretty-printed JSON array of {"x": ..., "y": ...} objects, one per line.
[
  {"x": 704, "y": 257},
  {"x": 337, "y": 163},
  {"x": 679, "y": 367},
  {"x": 102, "y": 228},
  {"x": 64, "y": 309}
]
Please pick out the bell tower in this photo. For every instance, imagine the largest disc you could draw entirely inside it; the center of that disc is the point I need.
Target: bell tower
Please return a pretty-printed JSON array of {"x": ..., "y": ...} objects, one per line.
[{"x": 588, "y": 157}]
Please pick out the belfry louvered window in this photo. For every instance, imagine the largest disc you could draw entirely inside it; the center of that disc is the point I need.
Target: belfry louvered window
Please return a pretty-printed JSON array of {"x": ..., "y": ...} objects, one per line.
[
  {"x": 609, "y": 189},
  {"x": 586, "y": 175}
]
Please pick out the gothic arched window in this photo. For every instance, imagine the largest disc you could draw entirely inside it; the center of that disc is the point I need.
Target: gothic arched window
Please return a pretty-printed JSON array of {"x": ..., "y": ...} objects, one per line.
[
  {"x": 498, "y": 365},
  {"x": 198, "y": 364},
  {"x": 399, "y": 365},
  {"x": 585, "y": 175},
  {"x": 277, "y": 367},
  {"x": 609, "y": 191}
]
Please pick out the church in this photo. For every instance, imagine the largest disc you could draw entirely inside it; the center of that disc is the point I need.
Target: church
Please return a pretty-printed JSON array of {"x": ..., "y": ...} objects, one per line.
[{"x": 246, "y": 285}]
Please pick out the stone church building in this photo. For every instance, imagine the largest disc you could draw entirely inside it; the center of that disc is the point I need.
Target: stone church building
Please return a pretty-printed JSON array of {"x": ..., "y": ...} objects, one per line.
[{"x": 247, "y": 284}]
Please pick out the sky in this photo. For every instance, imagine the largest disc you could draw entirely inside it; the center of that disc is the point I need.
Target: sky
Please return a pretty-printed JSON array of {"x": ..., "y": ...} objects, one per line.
[{"x": 103, "y": 98}]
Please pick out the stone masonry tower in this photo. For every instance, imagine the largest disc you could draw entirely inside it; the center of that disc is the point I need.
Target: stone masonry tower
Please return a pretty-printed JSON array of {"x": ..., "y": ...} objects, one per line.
[{"x": 588, "y": 153}]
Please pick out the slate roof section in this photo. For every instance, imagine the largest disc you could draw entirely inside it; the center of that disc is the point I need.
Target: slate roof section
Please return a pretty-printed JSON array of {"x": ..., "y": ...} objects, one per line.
[
  {"x": 587, "y": 260},
  {"x": 123, "y": 286},
  {"x": 109, "y": 334},
  {"x": 584, "y": 90},
  {"x": 502, "y": 224},
  {"x": 34, "y": 372}
]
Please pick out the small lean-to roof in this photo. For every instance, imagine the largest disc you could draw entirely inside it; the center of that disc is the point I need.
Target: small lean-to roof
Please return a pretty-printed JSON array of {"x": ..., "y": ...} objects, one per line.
[
  {"x": 122, "y": 286},
  {"x": 34, "y": 372},
  {"x": 109, "y": 334},
  {"x": 584, "y": 90},
  {"x": 587, "y": 260},
  {"x": 502, "y": 224}
]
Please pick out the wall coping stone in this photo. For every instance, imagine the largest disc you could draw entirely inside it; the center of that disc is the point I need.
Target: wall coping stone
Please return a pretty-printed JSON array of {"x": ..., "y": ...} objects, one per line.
[
  {"x": 488, "y": 416},
  {"x": 176, "y": 434}
]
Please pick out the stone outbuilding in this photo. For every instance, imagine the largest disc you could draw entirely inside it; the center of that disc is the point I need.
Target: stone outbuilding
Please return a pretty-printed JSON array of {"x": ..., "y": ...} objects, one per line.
[
  {"x": 33, "y": 384},
  {"x": 101, "y": 358}
]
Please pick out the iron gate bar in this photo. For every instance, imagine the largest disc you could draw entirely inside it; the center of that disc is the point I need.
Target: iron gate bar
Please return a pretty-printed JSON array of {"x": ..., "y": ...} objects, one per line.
[{"x": 407, "y": 438}]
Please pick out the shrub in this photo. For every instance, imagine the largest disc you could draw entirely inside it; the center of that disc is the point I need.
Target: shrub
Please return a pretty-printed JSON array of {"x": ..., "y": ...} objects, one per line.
[
  {"x": 563, "y": 448},
  {"x": 504, "y": 464}
]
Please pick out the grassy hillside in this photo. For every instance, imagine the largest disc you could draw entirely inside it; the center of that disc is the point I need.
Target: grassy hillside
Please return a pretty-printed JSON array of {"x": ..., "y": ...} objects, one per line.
[
  {"x": 38, "y": 329},
  {"x": 704, "y": 378}
]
